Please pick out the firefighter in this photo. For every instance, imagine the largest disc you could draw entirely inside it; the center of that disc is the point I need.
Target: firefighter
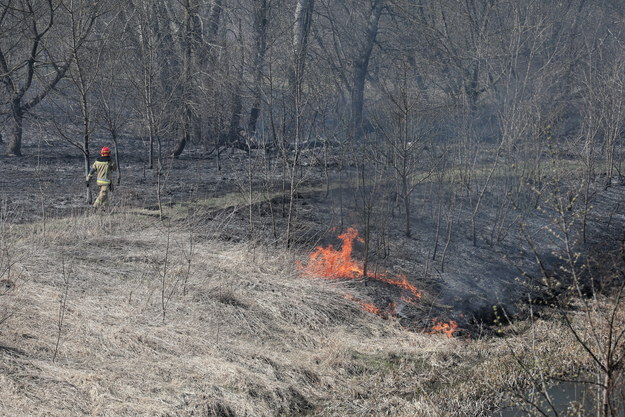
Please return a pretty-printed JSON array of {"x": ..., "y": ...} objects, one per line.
[{"x": 104, "y": 168}]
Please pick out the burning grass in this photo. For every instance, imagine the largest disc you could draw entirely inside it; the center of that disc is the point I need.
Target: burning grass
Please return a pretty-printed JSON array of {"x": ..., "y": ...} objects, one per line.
[
  {"x": 330, "y": 263},
  {"x": 240, "y": 335},
  {"x": 447, "y": 328}
]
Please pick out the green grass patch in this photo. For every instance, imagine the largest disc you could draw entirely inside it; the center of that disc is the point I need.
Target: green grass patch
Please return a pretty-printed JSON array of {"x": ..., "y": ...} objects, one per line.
[{"x": 233, "y": 200}]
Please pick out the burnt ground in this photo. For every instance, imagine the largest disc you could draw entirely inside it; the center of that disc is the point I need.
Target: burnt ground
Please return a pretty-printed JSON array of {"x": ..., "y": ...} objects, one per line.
[
  {"x": 48, "y": 181},
  {"x": 50, "y": 177}
]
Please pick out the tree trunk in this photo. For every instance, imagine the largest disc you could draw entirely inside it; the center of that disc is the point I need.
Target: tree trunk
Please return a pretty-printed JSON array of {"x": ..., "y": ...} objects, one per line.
[
  {"x": 406, "y": 196},
  {"x": 185, "y": 135},
  {"x": 119, "y": 168},
  {"x": 471, "y": 86},
  {"x": 301, "y": 29},
  {"x": 361, "y": 67},
  {"x": 215, "y": 17},
  {"x": 17, "y": 119},
  {"x": 260, "y": 26},
  {"x": 86, "y": 137},
  {"x": 235, "y": 118},
  {"x": 358, "y": 99},
  {"x": 191, "y": 38},
  {"x": 86, "y": 159}
]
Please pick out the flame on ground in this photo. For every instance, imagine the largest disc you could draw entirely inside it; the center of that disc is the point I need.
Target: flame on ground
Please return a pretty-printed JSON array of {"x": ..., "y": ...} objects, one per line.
[
  {"x": 334, "y": 263},
  {"x": 389, "y": 311},
  {"x": 407, "y": 299},
  {"x": 441, "y": 327},
  {"x": 401, "y": 282},
  {"x": 365, "y": 306},
  {"x": 331, "y": 263}
]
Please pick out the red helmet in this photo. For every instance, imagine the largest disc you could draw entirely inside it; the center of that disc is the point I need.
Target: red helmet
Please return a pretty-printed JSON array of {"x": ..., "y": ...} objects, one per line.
[{"x": 105, "y": 151}]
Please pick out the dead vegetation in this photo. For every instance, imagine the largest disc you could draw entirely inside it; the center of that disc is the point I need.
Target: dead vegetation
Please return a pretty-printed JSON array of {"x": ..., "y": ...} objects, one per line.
[{"x": 236, "y": 334}]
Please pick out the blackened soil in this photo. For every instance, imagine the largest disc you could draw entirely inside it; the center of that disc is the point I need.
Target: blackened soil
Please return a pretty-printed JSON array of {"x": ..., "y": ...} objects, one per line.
[{"x": 461, "y": 280}]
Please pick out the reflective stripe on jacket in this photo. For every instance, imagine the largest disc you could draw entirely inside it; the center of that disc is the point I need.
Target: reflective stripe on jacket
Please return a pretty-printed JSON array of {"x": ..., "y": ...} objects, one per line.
[{"x": 104, "y": 168}]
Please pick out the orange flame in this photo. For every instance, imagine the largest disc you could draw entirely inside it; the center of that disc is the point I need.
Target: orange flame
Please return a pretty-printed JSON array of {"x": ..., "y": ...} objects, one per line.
[
  {"x": 331, "y": 263},
  {"x": 401, "y": 282},
  {"x": 365, "y": 306},
  {"x": 334, "y": 263},
  {"x": 408, "y": 300},
  {"x": 441, "y": 327},
  {"x": 389, "y": 311}
]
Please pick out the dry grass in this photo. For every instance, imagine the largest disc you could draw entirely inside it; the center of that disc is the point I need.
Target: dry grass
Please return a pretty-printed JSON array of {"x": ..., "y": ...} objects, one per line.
[{"x": 241, "y": 335}]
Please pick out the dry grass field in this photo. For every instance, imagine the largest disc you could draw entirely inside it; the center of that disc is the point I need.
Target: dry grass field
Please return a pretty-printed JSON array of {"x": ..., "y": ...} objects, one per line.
[{"x": 122, "y": 314}]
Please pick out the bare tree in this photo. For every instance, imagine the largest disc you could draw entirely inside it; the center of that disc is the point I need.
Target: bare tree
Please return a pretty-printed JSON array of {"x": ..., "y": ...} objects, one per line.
[
  {"x": 586, "y": 293},
  {"x": 190, "y": 42},
  {"x": 406, "y": 136},
  {"x": 372, "y": 189},
  {"x": 83, "y": 73},
  {"x": 149, "y": 76},
  {"x": 66, "y": 273},
  {"x": 261, "y": 24},
  {"x": 37, "y": 54},
  {"x": 301, "y": 31},
  {"x": 361, "y": 66},
  {"x": 114, "y": 92}
]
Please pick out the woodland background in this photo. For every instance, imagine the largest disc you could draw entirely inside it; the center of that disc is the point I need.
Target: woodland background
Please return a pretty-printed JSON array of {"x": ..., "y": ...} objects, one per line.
[{"x": 477, "y": 146}]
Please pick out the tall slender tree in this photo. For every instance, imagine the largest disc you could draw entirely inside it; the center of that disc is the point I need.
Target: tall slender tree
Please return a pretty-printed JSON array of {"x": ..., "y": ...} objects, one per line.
[{"x": 361, "y": 67}]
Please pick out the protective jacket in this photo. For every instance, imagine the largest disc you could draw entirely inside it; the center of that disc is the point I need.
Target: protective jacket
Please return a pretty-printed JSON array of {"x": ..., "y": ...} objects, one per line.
[{"x": 104, "y": 168}]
